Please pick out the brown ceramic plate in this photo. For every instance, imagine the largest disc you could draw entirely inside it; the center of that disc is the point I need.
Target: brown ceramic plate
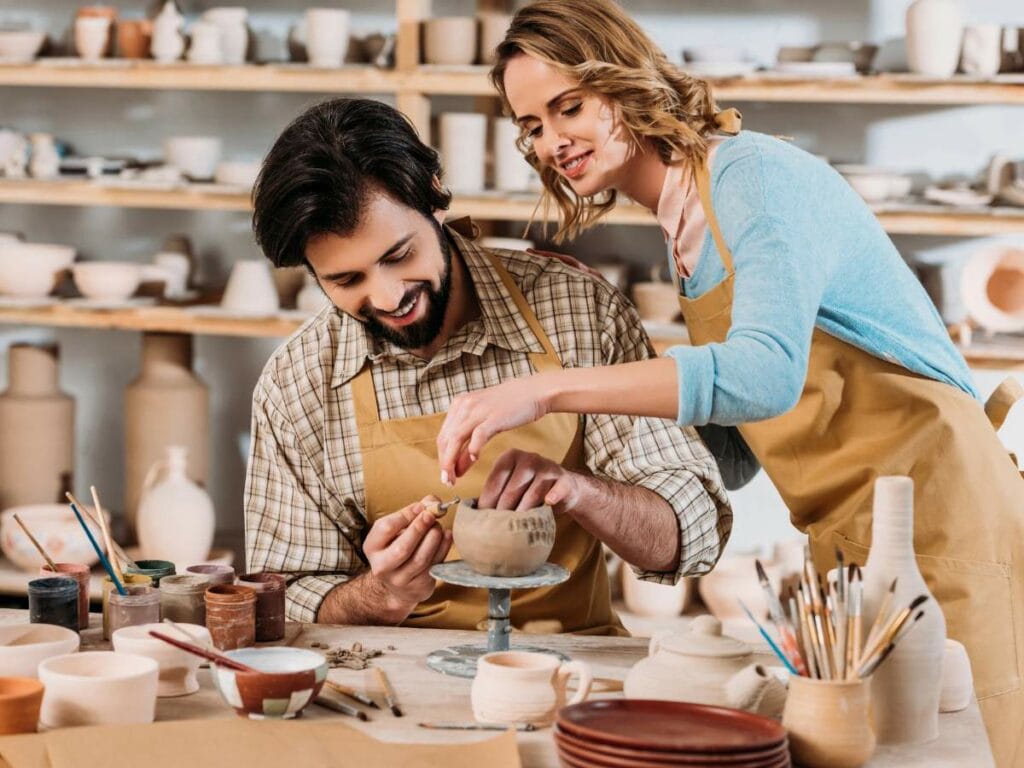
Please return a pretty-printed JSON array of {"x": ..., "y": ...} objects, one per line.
[
  {"x": 579, "y": 759},
  {"x": 721, "y": 760},
  {"x": 670, "y": 726}
]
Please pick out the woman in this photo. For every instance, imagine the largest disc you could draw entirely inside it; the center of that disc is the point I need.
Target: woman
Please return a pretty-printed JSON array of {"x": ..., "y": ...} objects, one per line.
[{"x": 809, "y": 332}]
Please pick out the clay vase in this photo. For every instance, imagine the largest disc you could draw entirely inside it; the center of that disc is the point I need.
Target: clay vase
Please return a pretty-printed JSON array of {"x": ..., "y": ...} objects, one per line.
[
  {"x": 829, "y": 722},
  {"x": 175, "y": 519},
  {"x": 504, "y": 542},
  {"x": 37, "y": 429},
  {"x": 523, "y": 687},
  {"x": 934, "y": 34},
  {"x": 905, "y": 688},
  {"x": 20, "y": 700},
  {"x": 167, "y": 42},
  {"x": 133, "y": 38},
  {"x": 166, "y": 405}
]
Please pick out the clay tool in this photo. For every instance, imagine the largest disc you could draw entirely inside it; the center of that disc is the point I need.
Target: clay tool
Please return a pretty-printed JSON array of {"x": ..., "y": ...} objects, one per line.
[
  {"x": 339, "y": 706},
  {"x": 210, "y": 655},
  {"x": 36, "y": 544},
  {"x": 352, "y": 693},
  {"x": 452, "y": 726},
  {"x": 99, "y": 551},
  {"x": 439, "y": 510},
  {"x": 787, "y": 639},
  {"x": 106, "y": 533},
  {"x": 389, "y": 692},
  {"x": 768, "y": 639},
  {"x": 122, "y": 556}
]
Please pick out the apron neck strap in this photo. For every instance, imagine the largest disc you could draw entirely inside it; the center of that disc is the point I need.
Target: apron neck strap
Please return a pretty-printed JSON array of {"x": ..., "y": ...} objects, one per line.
[
  {"x": 702, "y": 176},
  {"x": 364, "y": 398}
]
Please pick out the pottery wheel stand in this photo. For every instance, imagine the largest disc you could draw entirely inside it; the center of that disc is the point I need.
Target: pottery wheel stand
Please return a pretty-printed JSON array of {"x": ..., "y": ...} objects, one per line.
[{"x": 460, "y": 660}]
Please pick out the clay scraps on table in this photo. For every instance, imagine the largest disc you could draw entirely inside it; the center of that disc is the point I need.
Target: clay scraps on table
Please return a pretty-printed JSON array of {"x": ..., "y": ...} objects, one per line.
[{"x": 355, "y": 657}]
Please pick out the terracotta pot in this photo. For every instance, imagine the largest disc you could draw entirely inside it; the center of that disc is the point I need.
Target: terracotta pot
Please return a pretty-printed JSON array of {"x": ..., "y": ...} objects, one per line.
[
  {"x": 23, "y": 646},
  {"x": 502, "y": 542},
  {"x": 177, "y": 667},
  {"x": 905, "y": 688},
  {"x": 934, "y": 34},
  {"x": 130, "y": 580},
  {"x": 183, "y": 598},
  {"x": 166, "y": 405},
  {"x": 231, "y": 616},
  {"x": 133, "y": 38},
  {"x": 37, "y": 429},
  {"x": 20, "y": 699},
  {"x": 829, "y": 722},
  {"x": 80, "y": 573},
  {"x": 450, "y": 40},
  {"x": 957, "y": 680},
  {"x": 522, "y": 687},
  {"x": 98, "y": 688}
]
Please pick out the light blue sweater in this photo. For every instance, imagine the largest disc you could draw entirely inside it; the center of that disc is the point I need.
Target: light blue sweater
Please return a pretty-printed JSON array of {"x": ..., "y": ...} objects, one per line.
[{"x": 808, "y": 252}]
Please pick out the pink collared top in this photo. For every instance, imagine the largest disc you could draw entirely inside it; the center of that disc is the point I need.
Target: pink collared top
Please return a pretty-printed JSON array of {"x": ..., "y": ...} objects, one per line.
[{"x": 681, "y": 216}]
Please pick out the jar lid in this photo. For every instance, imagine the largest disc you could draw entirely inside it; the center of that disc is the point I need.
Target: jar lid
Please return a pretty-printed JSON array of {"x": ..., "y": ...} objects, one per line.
[{"x": 704, "y": 638}]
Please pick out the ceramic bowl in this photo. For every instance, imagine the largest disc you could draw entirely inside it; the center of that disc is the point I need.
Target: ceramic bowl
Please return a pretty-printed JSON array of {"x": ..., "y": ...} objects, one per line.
[
  {"x": 23, "y": 646},
  {"x": 56, "y": 528},
  {"x": 20, "y": 698},
  {"x": 502, "y": 542},
  {"x": 20, "y": 46},
  {"x": 107, "y": 280},
  {"x": 287, "y": 680},
  {"x": 177, "y": 667},
  {"x": 31, "y": 270},
  {"x": 735, "y": 576},
  {"x": 194, "y": 156},
  {"x": 98, "y": 688},
  {"x": 875, "y": 185}
]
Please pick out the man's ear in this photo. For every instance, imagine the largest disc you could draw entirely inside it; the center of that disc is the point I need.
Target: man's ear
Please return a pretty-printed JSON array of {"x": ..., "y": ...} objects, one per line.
[{"x": 440, "y": 213}]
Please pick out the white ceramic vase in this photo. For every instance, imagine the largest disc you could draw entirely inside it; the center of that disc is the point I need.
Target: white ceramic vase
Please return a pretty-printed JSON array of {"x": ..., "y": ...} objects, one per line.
[
  {"x": 327, "y": 36},
  {"x": 176, "y": 518},
  {"x": 45, "y": 161},
  {"x": 934, "y": 35},
  {"x": 250, "y": 289},
  {"x": 234, "y": 32},
  {"x": 905, "y": 688},
  {"x": 511, "y": 171},
  {"x": 206, "y": 47},
  {"x": 168, "y": 43},
  {"x": 463, "y": 149}
]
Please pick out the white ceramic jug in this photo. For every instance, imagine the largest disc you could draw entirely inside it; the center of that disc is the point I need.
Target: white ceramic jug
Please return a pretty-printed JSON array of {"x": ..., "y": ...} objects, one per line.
[
  {"x": 168, "y": 43},
  {"x": 175, "y": 519}
]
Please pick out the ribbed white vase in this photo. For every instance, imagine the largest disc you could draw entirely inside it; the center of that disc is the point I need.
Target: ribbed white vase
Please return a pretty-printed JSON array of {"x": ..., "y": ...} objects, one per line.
[
  {"x": 934, "y": 37},
  {"x": 905, "y": 688}
]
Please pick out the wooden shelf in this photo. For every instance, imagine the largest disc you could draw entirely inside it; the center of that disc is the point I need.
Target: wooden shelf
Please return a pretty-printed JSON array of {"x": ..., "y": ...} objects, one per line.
[{"x": 87, "y": 193}]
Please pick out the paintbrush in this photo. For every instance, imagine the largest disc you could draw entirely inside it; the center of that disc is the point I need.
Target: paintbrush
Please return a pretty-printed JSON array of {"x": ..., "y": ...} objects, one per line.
[
  {"x": 883, "y": 609},
  {"x": 886, "y": 635},
  {"x": 439, "y": 510},
  {"x": 871, "y": 667},
  {"x": 192, "y": 638},
  {"x": 206, "y": 653},
  {"x": 389, "y": 693},
  {"x": 771, "y": 643},
  {"x": 122, "y": 556},
  {"x": 36, "y": 544},
  {"x": 339, "y": 706},
  {"x": 452, "y": 726},
  {"x": 810, "y": 637},
  {"x": 99, "y": 552},
  {"x": 107, "y": 538},
  {"x": 787, "y": 639},
  {"x": 841, "y": 610},
  {"x": 352, "y": 693}
]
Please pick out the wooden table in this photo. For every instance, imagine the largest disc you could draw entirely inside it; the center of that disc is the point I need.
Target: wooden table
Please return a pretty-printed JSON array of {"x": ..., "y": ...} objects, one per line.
[{"x": 426, "y": 695}]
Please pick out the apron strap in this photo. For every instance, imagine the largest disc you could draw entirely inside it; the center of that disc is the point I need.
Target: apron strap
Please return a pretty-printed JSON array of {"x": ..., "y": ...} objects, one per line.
[
  {"x": 998, "y": 406},
  {"x": 703, "y": 179},
  {"x": 364, "y": 397}
]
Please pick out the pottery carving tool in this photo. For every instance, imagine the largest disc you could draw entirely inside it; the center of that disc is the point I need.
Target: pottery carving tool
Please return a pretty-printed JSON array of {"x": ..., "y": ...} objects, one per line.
[
  {"x": 439, "y": 510},
  {"x": 122, "y": 556},
  {"x": 453, "y": 726},
  {"x": 106, "y": 533},
  {"x": 787, "y": 638},
  {"x": 99, "y": 552},
  {"x": 352, "y": 693},
  {"x": 389, "y": 692},
  {"x": 339, "y": 706},
  {"x": 768, "y": 639},
  {"x": 36, "y": 544}
]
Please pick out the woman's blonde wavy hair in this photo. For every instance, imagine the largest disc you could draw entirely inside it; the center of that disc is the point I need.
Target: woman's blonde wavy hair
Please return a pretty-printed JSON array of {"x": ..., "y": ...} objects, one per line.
[{"x": 597, "y": 44}]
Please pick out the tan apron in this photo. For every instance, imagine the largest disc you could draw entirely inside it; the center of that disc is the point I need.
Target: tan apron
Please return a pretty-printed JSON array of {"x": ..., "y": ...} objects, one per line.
[
  {"x": 400, "y": 468},
  {"x": 860, "y": 417}
]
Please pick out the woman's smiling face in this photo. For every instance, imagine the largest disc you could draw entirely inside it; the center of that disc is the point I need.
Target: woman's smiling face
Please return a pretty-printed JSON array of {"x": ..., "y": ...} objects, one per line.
[{"x": 571, "y": 129}]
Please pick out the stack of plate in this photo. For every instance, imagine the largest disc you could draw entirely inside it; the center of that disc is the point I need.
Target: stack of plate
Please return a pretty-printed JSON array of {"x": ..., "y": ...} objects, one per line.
[{"x": 641, "y": 733}]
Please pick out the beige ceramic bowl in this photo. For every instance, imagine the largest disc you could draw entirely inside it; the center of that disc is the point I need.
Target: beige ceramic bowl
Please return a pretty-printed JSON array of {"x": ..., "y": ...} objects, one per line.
[
  {"x": 502, "y": 542},
  {"x": 20, "y": 46},
  {"x": 56, "y": 528},
  {"x": 177, "y": 667},
  {"x": 31, "y": 270},
  {"x": 98, "y": 688},
  {"x": 23, "y": 646},
  {"x": 107, "y": 280}
]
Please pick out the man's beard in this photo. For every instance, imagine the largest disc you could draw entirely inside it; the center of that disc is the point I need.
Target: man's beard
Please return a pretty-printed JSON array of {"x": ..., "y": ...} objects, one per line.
[{"x": 423, "y": 332}]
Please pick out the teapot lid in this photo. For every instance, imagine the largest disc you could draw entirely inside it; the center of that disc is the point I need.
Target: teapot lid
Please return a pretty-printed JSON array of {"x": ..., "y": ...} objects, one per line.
[{"x": 704, "y": 638}]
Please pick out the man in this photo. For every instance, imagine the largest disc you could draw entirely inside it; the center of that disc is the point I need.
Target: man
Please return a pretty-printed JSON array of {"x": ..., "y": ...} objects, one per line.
[{"x": 346, "y": 413}]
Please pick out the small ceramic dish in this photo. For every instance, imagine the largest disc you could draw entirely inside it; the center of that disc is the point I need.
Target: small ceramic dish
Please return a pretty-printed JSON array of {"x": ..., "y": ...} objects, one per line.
[
  {"x": 31, "y": 270},
  {"x": 288, "y": 679},
  {"x": 23, "y": 646}
]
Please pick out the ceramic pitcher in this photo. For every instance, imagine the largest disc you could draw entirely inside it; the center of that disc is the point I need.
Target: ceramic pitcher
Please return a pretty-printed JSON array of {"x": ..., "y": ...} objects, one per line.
[
  {"x": 176, "y": 518},
  {"x": 523, "y": 687}
]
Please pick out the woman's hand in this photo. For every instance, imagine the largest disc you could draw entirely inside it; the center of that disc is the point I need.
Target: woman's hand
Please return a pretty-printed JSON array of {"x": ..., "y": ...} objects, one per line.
[{"x": 475, "y": 417}]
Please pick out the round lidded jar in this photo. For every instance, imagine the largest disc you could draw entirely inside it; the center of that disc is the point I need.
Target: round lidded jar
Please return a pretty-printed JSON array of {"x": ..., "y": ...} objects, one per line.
[
  {"x": 53, "y": 601},
  {"x": 80, "y": 573},
  {"x": 130, "y": 580},
  {"x": 270, "y": 599},
  {"x": 155, "y": 569},
  {"x": 231, "y": 616},
  {"x": 183, "y": 598},
  {"x": 140, "y": 606}
]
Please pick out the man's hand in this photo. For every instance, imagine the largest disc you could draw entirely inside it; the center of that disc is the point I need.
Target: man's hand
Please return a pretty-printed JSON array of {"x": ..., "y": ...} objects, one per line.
[
  {"x": 400, "y": 549},
  {"x": 521, "y": 480}
]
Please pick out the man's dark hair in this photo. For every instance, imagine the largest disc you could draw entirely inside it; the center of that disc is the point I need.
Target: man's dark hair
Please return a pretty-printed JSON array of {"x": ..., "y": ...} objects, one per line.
[{"x": 317, "y": 177}]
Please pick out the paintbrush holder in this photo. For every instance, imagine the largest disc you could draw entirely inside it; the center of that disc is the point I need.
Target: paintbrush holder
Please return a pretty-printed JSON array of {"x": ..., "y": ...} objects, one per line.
[{"x": 829, "y": 722}]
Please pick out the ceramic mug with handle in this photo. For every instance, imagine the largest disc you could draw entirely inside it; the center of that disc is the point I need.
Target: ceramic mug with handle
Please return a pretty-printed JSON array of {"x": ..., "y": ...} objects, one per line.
[{"x": 523, "y": 687}]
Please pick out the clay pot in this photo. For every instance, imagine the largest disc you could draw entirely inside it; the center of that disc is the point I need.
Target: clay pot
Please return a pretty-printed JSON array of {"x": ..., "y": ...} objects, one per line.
[
  {"x": 177, "y": 667},
  {"x": 646, "y": 598},
  {"x": 957, "y": 680},
  {"x": 287, "y": 680},
  {"x": 521, "y": 687},
  {"x": 20, "y": 699},
  {"x": 133, "y": 38},
  {"x": 450, "y": 40},
  {"x": 231, "y": 616},
  {"x": 250, "y": 289},
  {"x": 501, "y": 542},
  {"x": 493, "y": 27},
  {"x": 934, "y": 34},
  {"x": 80, "y": 574},
  {"x": 992, "y": 288},
  {"x": 98, "y": 688},
  {"x": 23, "y": 646},
  {"x": 327, "y": 36},
  {"x": 107, "y": 12},
  {"x": 982, "y": 52},
  {"x": 829, "y": 722},
  {"x": 37, "y": 429},
  {"x": 166, "y": 405},
  {"x": 735, "y": 576},
  {"x": 175, "y": 518}
]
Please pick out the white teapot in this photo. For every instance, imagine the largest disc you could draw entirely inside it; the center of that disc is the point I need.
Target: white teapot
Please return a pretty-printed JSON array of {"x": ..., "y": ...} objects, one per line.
[{"x": 703, "y": 666}]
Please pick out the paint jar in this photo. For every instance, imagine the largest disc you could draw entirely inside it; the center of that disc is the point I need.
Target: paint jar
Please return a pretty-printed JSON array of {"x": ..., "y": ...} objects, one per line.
[
  {"x": 80, "y": 574},
  {"x": 183, "y": 598},
  {"x": 130, "y": 580},
  {"x": 155, "y": 569},
  {"x": 219, "y": 574},
  {"x": 269, "y": 588},
  {"x": 140, "y": 606},
  {"x": 53, "y": 600},
  {"x": 231, "y": 616}
]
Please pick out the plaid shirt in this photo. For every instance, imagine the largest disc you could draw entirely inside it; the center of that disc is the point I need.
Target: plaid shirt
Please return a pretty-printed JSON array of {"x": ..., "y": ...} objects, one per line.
[{"x": 304, "y": 499}]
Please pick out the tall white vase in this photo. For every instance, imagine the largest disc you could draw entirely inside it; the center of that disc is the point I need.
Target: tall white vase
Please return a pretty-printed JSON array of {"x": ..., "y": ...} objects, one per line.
[
  {"x": 176, "y": 519},
  {"x": 463, "y": 149},
  {"x": 934, "y": 35},
  {"x": 905, "y": 688}
]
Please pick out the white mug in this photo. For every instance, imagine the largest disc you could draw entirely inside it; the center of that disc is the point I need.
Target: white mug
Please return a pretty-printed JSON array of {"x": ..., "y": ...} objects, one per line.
[
  {"x": 450, "y": 40},
  {"x": 327, "y": 33},
  {"x": 523, "y": 687},
  {"x": 250, "y": 289},
  {"x": 511, "y": 171},
  {"x": 982, "y": 51},
  {"x": 463, "y": 149},
  {"x": 91, "y": 36}
]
